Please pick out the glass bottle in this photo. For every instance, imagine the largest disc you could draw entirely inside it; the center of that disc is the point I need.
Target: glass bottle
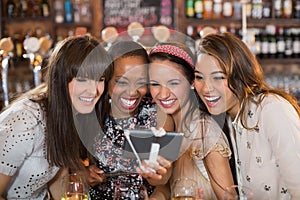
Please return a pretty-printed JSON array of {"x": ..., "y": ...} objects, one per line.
[
  {"x": 68, "y": 11},
  {"x": 288, "y": 43},
  {"x": 257, "y": 9},
  {"x": 271, "y": 30},
  {"x": 45, "y": 8},
  {"x": 227, "y": 9},
  {"x": 23, "y": 8},
  {"x": 190, "y": 12},
  {"x": 267, "y": 9},
  {"x": 86, "y": 14},
  {"x": 237, "y": 9},
  {"x": 208, "y": 9},
  {"x": 264, "y": 44},
  {"x": 280, "y": 43},
  {"x": 198, "y": 7},
  {"x": 76, "y": 11},
  {"x": 217, "y": 9},
  {"x": 10, "y": 8},
  {"x": 296, "y": 42},
  {"x": 287, "y": 9},
  {"x": 277, "y": 4},
  {"x": 297, "y": 9},
  {"x": 59, "y": 11}
]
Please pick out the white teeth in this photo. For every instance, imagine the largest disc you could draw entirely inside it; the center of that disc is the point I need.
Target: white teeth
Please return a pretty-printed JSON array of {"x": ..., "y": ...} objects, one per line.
[
  {"x": 86, "y": 99},
  {"x": 128, "y": 102},
  {"x": 168, "y": 102},
  {"x": 211, "y": 98}
]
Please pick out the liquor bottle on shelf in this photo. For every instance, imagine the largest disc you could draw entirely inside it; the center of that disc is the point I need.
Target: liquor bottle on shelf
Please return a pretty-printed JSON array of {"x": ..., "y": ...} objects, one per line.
[
  {"x": 267, "y": 9},
  {"x": 217, "y": 9},
  {"x": 33, "y": 9},
  {"x": 58, "y": 11},
  {"x": 264, "y": 44},
  {"x": 288, "y": 52},
  {"x": 297, "y": 9},
  {"x": 271, "y": 30},
  {"x": 257, "y": 43},
  {"x": 10, "y": 8},
  {"x": 287, "y": 9},
  {"x": 257, "y": 9},
  {"x": 23, "y": 8},
  {"x": 208, "y": 9},
  {"x": 227, "y": 9},
  {"x": 190, "y": 12},
  {"x": 76, "y": 11},
  {"x": 277, "y": 4},
  {"x": 237, "y": 9},
  {"x": 296, "y": 42},
  {"x": 68, "y": 11},
  {"x": 280, "y": 43},
  {"x": 45, "y": 8},
  {"x": 198, "y": 7},
  {"x": 85, "y": 12}
]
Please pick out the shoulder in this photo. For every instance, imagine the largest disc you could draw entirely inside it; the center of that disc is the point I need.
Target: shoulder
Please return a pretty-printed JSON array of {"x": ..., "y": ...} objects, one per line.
[
  {"x": 274, "y": 104},
  {"x": 24, "y": 114}
]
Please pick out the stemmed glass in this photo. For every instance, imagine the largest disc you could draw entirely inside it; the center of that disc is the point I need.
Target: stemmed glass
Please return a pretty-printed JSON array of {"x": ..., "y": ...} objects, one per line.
[
  {"x": 74, "y": 187},
  {"x": 122, "y": 190},
  {"x": 237, "y": 192},
  {"x": 184, "y": 189}
]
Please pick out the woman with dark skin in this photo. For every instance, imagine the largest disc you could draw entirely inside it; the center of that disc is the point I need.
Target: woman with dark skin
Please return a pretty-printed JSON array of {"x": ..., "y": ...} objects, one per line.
[{"x": 125, "y": 106}]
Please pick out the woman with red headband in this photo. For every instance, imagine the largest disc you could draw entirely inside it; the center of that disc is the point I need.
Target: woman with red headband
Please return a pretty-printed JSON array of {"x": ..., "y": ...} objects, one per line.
[{"x": 205, "y": 151}]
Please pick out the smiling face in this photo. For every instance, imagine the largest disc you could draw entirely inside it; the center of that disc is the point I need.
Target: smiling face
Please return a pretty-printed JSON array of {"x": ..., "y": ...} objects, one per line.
[
  {"x": 168, "y": 86},
  {"x": 85, "y": 93},
  {"x": 127, "y": 86},
  {"x": 212, "y": 86}
]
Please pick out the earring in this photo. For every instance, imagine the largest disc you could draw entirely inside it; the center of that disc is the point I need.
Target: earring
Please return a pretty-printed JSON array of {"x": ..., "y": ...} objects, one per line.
[
  {"x": 109, "y": 100},
  {"x": 192, "y": 87}
]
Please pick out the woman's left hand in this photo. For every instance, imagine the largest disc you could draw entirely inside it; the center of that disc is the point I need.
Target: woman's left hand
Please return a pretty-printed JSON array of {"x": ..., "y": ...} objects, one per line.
[{"x": 156, "y": 173}]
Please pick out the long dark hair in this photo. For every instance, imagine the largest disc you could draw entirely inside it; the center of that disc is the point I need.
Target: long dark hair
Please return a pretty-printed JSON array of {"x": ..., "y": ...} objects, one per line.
[
  {"x": 74, "y": 56},
  {"x": 243, "y": 71}
]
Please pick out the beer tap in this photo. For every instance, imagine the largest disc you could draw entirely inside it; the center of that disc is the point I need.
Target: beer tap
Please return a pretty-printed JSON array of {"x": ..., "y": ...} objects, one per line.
[
  {"x": 32, "y": 45},
  {"x": 109, "y": 35},
  {"x": 6, "y": 46}
]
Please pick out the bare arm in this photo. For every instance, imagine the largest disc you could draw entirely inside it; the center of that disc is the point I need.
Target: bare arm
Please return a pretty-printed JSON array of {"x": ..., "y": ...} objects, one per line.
[
  {"x": 219, "y": 172},
  {"x": 161, "y": 192},
  {"x": 4, "y": 184},
  {"x": 55, "y": 184}
]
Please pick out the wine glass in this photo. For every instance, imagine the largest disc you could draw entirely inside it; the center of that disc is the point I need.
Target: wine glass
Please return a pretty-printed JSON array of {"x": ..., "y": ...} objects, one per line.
[
  {"x": 74, "y": 187},
  {"x": 123, "y": 190},
  {"x": 237, "y": 192},
  {"x": 184, "y": 189}
]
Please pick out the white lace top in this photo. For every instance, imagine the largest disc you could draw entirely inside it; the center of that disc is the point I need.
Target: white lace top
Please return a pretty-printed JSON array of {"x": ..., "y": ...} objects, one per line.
[
  {"x": 206, "y": 136},
  {"x": 23, "y": 151},
  {"x": 268, "y": 157}
]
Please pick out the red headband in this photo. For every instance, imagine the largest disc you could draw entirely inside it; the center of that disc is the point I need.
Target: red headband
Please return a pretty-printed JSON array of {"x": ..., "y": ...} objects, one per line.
[{"x": 175, "y": 51}]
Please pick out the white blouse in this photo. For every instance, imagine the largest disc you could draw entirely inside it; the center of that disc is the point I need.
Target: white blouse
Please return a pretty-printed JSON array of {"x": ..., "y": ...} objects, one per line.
[
  {"x": 23, "y": 151},
  {"x": 268, "y": 157}
]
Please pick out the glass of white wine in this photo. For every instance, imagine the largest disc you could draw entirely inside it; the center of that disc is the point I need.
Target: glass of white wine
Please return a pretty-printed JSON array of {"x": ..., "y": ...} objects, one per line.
[
  {"x": 184, "y": 189},
  {"x": 74, "y": 187}
]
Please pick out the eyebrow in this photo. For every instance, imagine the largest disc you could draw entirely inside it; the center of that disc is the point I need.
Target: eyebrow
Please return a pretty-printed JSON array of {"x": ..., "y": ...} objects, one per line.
[{"x": 215, "y": 72}]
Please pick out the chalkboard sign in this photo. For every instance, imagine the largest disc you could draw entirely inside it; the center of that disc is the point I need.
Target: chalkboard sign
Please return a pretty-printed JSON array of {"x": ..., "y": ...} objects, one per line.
[{"x": 120, "y": 13}]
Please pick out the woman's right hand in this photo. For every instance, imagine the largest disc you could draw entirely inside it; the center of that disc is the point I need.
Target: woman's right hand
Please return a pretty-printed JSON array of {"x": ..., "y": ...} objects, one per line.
[{"x": 94, "y": 175}]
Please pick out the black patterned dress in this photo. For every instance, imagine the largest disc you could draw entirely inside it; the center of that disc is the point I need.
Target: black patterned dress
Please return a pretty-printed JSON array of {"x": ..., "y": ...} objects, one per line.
[{"x": 109, "y": 150}]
